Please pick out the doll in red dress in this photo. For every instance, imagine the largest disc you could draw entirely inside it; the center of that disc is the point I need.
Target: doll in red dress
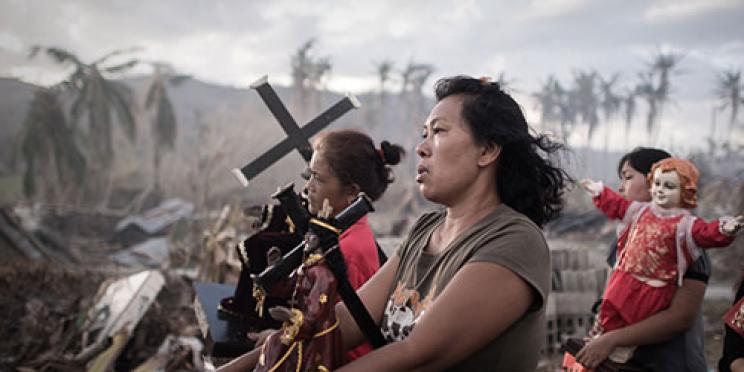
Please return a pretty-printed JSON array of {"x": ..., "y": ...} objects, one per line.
[{"x": 656, "y": 243}]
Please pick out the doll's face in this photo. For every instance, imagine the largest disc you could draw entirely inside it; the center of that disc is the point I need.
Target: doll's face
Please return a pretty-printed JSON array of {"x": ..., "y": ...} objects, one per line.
[{"x": 666, "y": 190}]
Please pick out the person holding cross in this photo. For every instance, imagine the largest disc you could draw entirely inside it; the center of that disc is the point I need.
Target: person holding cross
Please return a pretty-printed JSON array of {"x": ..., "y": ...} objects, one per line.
[
  {"x": 345, "y": 163},
  {"x": 467, "y": 288}
]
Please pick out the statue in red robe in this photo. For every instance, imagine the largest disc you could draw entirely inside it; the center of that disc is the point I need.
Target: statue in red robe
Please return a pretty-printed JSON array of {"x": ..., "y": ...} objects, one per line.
[{"x": 309, "y": 339}]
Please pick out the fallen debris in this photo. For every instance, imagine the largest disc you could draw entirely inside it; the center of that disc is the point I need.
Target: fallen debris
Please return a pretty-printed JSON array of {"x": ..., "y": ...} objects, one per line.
[
  {"x": 154, "y": 222},
  {"x": 120, "y": 308}
]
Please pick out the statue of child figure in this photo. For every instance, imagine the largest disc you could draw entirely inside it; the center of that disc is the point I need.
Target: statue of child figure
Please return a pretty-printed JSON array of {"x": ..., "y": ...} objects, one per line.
[
  {"x": 656, "y": 243},
  {"x": 309, "y": 339}
]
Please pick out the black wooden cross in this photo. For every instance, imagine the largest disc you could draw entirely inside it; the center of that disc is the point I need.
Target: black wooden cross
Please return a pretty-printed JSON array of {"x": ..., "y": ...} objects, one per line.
[{"x": 297, "y": 138}]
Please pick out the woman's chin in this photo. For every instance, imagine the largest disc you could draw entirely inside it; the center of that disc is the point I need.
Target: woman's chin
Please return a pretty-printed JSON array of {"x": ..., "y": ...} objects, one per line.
[{"x": 427, "y": 193}]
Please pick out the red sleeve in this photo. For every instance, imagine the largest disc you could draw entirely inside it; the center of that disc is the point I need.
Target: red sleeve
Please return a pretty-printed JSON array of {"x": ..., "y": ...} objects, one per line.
[
  {"x": 611, "y": 203},
  {"x": 355, "y": 274},
  {"x": 360, "y": 253},
  {"x": 707, "y": 235}
]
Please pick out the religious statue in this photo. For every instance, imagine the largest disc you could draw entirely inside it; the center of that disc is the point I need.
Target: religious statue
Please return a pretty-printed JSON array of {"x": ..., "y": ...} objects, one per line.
[
  {"x": 656, "y": 243},
  {"x": 309, "y": 339}
]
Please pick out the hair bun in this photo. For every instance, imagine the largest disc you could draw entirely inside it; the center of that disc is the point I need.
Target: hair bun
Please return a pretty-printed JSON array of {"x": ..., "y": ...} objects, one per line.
[{"x": 390, "y": 153}]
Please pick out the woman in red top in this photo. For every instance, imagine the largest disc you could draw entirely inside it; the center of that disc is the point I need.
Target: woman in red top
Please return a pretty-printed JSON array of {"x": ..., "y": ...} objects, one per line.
[{"x": 345, "y": 163}]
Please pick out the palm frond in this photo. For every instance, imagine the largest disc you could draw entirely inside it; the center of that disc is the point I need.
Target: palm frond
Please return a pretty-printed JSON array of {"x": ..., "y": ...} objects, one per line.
[
  {"x": 177, "y": 80},
  {"x": 119, "y": 95},
  {"x": 46, "y": 139},
  {"x": 122, "y": 66},
  {"x": 116, "y": 53},
  {"x": 165, "y": 125},
  {"x": 63, "y": 56},
  {"x": 29, "y": 181},
  {"x": 152, "y": 93},
  {"x": 80, "y": 104},
  {"x": 34, "y": 51},
  {"x": 99, "y": 124}
]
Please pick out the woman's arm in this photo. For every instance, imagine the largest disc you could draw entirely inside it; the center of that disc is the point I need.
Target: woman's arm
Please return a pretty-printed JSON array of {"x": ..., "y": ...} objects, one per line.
[
  {"x": 482, "y": 300},
  {"x": 737, "y": 365},
  {"x": 245, "y": 362},
  {"x": 374, "y": 294},
  {"x": 662, "y": 326}
]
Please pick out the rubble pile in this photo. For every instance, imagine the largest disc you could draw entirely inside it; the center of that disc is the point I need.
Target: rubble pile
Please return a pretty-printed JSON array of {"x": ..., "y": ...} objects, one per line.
[{"x": 44, "y": 310}]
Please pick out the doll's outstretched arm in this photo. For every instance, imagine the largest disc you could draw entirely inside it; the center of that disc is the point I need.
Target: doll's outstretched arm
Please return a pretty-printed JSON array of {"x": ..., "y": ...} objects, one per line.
[
  {"x": 591, "y": 186},
  {"x": 731, "y": 225},
  {"x": 612, "y": 204},
  {"x": 716, "y": 233}
]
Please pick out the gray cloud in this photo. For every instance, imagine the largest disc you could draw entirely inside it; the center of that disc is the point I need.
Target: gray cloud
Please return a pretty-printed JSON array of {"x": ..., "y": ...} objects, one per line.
[{"x": 234, "y": 42}]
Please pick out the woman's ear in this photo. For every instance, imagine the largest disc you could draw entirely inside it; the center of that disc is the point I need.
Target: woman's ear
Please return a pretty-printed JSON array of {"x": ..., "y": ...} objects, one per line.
[{"x": 489, "y": 154}]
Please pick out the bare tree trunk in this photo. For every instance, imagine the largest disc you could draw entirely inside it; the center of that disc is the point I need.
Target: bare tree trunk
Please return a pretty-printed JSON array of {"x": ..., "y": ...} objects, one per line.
[
  {"x": 712, "y": 129},
  {"x": 156, "y": 169},
  {"x": 108, "y": 190}
]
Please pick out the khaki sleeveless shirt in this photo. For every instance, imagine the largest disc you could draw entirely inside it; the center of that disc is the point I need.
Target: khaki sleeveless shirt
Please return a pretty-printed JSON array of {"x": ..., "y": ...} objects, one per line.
[{"x": 504, "y": 237}]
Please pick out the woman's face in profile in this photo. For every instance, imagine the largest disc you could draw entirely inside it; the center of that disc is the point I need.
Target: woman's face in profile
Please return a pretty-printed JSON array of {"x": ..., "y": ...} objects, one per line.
[
  {"x": 449, "y": 156},
  {"x": 322, "y": 184}
]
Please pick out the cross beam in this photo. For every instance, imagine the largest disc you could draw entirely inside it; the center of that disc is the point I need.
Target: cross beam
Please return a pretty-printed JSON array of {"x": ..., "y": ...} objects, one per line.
[{"x": 297, "y": 138}]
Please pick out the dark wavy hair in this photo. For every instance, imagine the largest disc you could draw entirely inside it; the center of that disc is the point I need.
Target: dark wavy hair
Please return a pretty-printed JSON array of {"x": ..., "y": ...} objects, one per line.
[
  {"x": 354, "y": 159},
  {"x": 641, "y": 159},
  {"x": 527, "y": 179}
]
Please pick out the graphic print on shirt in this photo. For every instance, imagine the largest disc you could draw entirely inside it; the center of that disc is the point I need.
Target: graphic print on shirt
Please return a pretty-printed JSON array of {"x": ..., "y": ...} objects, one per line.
[{"x": 402, "y": 311}]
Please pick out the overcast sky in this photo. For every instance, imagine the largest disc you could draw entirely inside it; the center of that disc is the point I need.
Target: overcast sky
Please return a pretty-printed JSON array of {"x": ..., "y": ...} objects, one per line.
[{"x": 236, "y": 42}]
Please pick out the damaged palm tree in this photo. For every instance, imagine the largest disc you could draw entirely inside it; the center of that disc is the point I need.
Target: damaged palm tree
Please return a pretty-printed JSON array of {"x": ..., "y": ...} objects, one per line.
[
  {"x": 164, "y": 124},
  {"x": 95, "y": 101},
  {"x": 308, "y": 74},
  {"x": 729, "y": 92},
  {"x": 655, "y": 87},
  {"x": 50, "y": 151}
]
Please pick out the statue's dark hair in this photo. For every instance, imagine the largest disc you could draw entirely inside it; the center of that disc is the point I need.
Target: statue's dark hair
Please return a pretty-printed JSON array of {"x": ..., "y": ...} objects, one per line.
[
  {"x": 527, "y": 179},
  {"x": 354, "y": 159}
]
